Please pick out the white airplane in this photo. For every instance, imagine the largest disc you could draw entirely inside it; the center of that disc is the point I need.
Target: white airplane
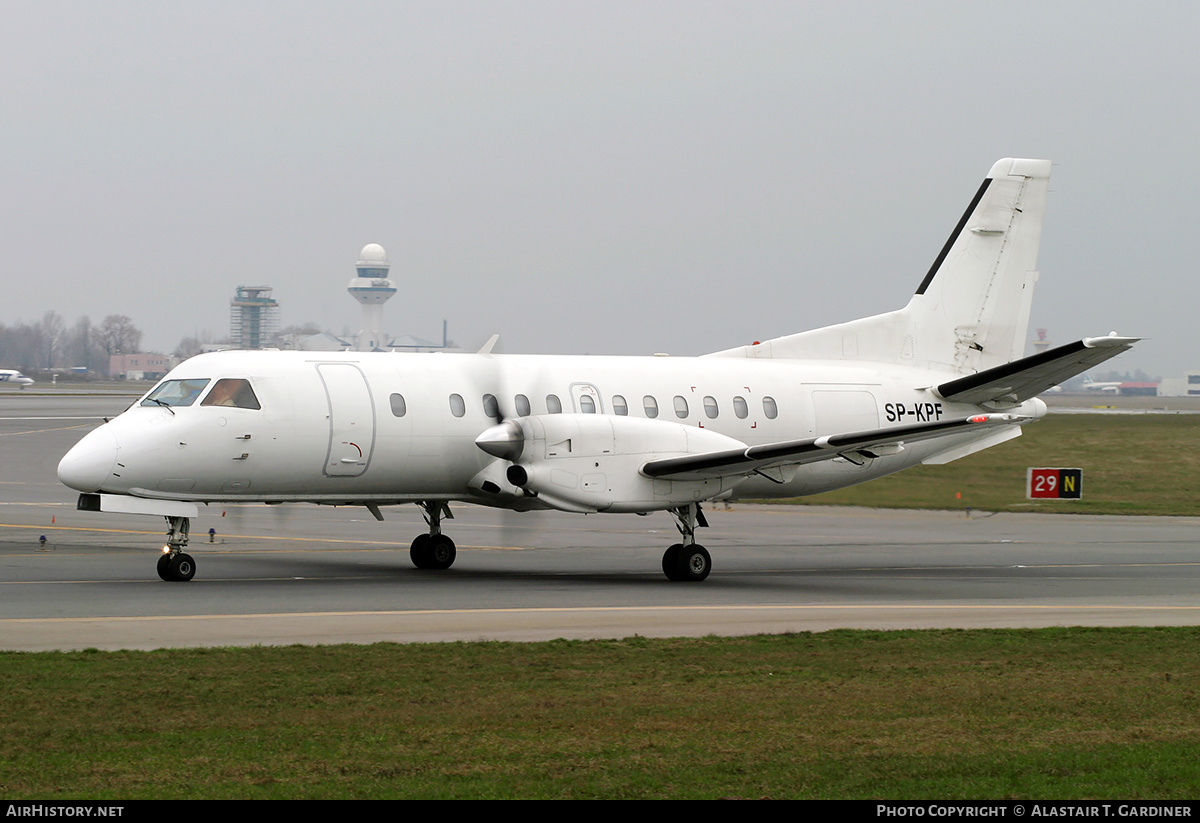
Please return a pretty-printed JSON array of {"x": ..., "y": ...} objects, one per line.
[
  {"x": 930, "y": 383},
  {"x": 1108, "y": 388},
  {"x": 13, "y": 377}
]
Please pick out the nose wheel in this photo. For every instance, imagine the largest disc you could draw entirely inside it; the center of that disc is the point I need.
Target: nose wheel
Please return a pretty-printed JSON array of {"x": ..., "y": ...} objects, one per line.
[
  {"x": 176, "y": 568},
  {"x": 175, "y": 565}
]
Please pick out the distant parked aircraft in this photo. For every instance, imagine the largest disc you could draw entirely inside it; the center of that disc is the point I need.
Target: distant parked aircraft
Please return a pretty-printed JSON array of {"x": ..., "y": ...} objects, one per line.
[
  {"x": 1110, "y": 388},
  {"x": 14, "y": 377}
]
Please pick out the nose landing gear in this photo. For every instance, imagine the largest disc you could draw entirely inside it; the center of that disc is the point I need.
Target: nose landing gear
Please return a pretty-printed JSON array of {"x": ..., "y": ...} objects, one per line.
[{"x": 175, "y": 565}]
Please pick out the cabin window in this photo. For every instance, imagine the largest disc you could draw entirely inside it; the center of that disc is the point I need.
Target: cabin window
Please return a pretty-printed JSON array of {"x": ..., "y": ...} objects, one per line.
[
  {"x": 522, "y": 404},
  {"x": 710, "y": 407},
  {"x": 619, "y": 406},
  {"x": 650, "y": 405},
  {"x": 769, "y": 408},
  {"x": 398, "y": 406},
  {"x": 176, "y": 392},
  {"x": 553, "y": 404},
  {"x": 491, "y": 407},
  {"x": 233, "y": 392},
  {"x": 458, "y": 406},
  {"x": 740, "y": 408},
  {"x": 586, "y": 404},
  {"x": 681, "y": 409}
]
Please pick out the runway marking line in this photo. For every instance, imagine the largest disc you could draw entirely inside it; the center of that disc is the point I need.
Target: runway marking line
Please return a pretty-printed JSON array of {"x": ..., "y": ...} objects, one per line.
[
  {"x": 196, "y": 544},
  {"x": 79, "y": 417},
  {"x": 71, "y": 528},
  {"x": 44, "y": 431},
  {"x": 590, "y": 609}
]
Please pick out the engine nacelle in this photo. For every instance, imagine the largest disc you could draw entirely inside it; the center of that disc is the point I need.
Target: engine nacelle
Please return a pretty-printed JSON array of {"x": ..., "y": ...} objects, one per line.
[{"x": 592, "y": 462}]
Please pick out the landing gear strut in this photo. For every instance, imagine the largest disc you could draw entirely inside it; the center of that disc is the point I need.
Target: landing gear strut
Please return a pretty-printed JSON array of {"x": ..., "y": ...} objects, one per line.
[
  {"x": 175, "y": 565},
  {"x": 434, "y": 550},
  {"x": 687, "y": 561}
]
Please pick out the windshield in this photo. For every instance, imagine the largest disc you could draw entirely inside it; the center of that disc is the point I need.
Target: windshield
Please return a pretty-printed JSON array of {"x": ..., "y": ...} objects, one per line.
[
  {"x": 231, "y": 391},
  {"x": 176, "y": 392}
]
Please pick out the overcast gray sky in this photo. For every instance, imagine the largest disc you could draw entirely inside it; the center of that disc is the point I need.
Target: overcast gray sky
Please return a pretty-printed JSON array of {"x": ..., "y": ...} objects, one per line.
[{"x": 590, "y": 177}]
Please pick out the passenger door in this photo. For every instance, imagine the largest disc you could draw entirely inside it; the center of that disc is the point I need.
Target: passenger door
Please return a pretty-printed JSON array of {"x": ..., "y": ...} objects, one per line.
[{"x": 351, "y": 419}]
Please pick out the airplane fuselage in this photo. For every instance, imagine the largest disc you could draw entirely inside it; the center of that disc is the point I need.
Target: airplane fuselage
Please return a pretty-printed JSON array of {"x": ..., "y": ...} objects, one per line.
[
  {"x": 801, "y": 414},
  {"x": 358, "y": 427},
  {"x": 11, "y": 377}
]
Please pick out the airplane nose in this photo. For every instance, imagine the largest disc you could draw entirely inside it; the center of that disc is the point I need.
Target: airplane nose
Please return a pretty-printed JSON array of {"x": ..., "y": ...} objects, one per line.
[{"x": 90, "y": 462}]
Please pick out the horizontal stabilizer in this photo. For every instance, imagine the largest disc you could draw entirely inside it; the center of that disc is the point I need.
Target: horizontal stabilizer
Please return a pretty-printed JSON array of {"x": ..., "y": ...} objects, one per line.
[
  {"x": 1015, "y": 382},
  {"x": 867, "y": 444}
]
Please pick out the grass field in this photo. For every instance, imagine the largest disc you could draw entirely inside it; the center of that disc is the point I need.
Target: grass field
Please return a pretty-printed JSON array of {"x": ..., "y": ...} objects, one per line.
[
  {"x": 1132, "y": 464},
  {"x": 1061, "y": 713},
  {"x": 1036, "y": 714}
]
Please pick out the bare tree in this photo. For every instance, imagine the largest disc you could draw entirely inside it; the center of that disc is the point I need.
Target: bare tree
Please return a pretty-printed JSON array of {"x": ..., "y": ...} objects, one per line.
[
  {"x": 51, "y": 331},
  {"x": 118, "y": 335},
  {"x": 80, "y": 348},
  {"x": 19, "y": 347},
  {"x": 190, "y": 346}
]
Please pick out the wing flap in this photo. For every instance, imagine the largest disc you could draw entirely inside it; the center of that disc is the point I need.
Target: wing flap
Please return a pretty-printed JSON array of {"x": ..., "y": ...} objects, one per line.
[
  {"x": 813, "y": 450},
  {"x": 1016, "y": 382}
]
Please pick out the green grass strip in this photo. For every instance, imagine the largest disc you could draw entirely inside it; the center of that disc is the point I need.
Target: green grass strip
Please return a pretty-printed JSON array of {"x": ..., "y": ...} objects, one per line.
[
  {"x": 1055, "y": 713},
  {"x": 1132, "y": 464}
]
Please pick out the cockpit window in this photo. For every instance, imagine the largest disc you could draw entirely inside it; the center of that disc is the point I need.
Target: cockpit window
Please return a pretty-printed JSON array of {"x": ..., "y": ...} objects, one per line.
[
  {"x": 230, "y": 391},
  {"x": 176, "y": 392}
]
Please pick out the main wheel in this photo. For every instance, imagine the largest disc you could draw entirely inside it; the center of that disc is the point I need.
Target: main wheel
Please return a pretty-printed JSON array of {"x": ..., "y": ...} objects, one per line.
[
  {"x": 687, "y": 563},
  {"x": 418, "y": 552},
  {"x": 164, "y": 560},
  {"x": 181, "y": 567},
  {"x": 670, "y": 561},
  {"x": 441, "y": 552},
  {"x": 694, "y": 563}
]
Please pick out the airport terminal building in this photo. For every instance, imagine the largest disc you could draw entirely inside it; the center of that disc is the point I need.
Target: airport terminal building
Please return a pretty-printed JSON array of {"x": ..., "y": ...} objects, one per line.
[{"x": 1186, "y": 386}]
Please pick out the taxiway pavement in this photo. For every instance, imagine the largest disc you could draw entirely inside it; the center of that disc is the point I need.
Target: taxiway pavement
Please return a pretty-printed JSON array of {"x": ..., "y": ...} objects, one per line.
[{"x": 307, "y": 574}]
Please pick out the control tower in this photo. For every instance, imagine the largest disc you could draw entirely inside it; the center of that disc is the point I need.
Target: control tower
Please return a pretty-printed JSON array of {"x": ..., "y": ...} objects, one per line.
[
  {"x": 253, "y": 317},
  {"x": 1042, "y": 342},
  {"x": 372, "y": 288}
]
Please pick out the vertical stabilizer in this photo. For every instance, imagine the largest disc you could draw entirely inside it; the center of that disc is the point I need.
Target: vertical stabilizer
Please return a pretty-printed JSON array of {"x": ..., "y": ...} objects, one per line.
[{"x": 971, "y": 311}]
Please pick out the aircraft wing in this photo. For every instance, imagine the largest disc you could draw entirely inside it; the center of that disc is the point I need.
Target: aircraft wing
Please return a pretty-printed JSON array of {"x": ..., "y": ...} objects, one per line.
[
  {"x": 1028, "y": 377},
  {"x": 864, "y": 444}
]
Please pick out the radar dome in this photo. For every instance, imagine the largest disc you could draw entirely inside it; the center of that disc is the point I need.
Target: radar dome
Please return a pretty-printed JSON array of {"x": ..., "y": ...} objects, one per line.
[{"x": 372, "y": 253}]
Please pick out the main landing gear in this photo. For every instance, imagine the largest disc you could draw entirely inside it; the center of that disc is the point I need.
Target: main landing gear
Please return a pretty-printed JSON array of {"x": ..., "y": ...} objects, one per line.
[
  {"x": 434, "y": 550},
  {"x": 687, "y": 561},
  {"x": 175, "y": 565}
]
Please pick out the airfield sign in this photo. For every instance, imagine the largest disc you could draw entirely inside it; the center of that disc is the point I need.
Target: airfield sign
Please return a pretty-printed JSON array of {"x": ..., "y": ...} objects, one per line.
[{"x": 1054, "y": 484}]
